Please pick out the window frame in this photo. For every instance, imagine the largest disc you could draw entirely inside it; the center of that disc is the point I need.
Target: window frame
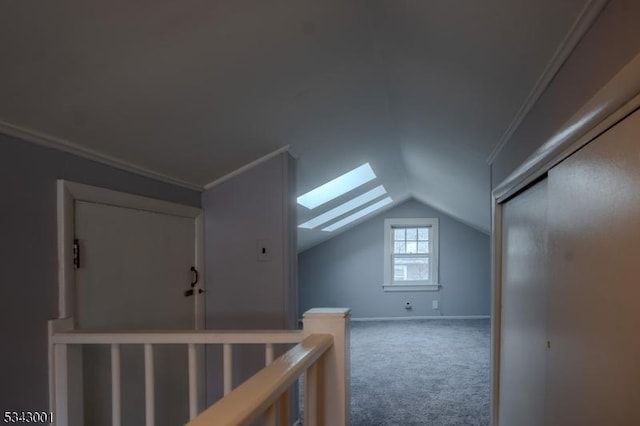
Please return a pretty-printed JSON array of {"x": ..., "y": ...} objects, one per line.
[{"x": 433, "y": 284}]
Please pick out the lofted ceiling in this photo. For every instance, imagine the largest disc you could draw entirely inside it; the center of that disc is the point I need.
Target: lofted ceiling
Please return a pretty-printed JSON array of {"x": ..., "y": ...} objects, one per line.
[{"x": 193, "y": 90}]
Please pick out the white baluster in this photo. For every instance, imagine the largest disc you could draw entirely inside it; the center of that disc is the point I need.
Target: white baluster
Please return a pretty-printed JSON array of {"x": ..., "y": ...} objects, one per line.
[
  {"x": 148, "y": 385},
  {"x": 283, "y": 408},
  {"x": 311, "y": 396},
  {"x": 268, "y": 354},
  {"x": 193, "y": 383},
  {"x": 227, "y": 365},
  {"x": 62, "y": 383},
  {"x": 270, "y": 416},
  {"x": 116, "y": 398}
]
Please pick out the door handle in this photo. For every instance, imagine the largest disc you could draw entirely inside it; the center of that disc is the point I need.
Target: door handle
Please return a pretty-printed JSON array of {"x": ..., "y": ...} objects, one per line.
[{"x": 195, "y": 276}]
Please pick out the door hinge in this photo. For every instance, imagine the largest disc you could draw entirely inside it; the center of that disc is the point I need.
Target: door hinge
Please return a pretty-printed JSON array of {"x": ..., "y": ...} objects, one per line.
[{"x": 76, "y": 253}]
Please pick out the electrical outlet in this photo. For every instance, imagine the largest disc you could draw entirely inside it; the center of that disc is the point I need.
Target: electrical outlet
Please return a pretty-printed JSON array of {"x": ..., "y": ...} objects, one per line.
[{"x": 434, "y": 304}]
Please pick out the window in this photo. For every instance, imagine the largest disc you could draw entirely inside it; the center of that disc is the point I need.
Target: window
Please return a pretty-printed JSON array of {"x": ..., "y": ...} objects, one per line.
[
  {"x": 336, "y": 187},
  {"x": 411, "y": 254}
]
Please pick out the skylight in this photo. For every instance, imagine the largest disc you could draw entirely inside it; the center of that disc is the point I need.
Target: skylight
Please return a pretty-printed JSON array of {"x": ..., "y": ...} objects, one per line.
[
  {"x": 344, "y": 208},
  {"x": 358, "y": 214},
  {"x": 336, "y": 187}
]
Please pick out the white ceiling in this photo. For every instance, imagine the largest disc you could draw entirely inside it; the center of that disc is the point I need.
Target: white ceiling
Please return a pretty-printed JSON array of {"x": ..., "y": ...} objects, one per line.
[{"x": 422, "y": 90}]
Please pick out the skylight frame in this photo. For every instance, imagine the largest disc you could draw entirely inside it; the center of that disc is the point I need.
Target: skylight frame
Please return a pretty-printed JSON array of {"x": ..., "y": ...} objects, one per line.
[
  {"x": 344, "y": 208},
  {"x": 359, "y": 214},
  {"x": 337, "y": 187}
]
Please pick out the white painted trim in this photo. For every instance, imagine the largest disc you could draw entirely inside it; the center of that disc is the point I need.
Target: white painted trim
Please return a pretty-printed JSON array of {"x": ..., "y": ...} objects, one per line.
[
  {"x": 177, "y": 337},
  {"x": 432, "y": 317},
  {"x": 247, "y": 167},
  {"x": 200, "y": 311},
  {"x": 199, "y": 298},
  {"x": 49, "y": 141},
  {"x": 66, "y": 281},
  {"x": 496, "y": 308},
  {"x": 582, "y": 23},
  {"x": 410, "y": 287},
  {"x": 617, "y": 99},
  {"x": 94, "y": 194}
]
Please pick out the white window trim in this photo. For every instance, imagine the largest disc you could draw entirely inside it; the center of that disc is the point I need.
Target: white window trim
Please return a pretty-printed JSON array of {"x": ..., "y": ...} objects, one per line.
[{"x": 434, "y": 283}]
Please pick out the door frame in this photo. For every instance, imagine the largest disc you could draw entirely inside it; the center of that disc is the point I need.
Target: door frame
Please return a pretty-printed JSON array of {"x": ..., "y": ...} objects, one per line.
[
  {"x": 68, "y": 193},
  {"x": 616, "y": 100}
]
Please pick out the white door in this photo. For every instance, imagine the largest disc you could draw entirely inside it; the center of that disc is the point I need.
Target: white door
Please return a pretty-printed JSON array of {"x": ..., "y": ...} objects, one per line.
[{"x": 134, "y": 268}]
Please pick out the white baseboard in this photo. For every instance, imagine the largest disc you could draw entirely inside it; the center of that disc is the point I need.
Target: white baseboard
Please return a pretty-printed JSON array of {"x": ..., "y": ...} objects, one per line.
[{"x": 451, "y": 317}]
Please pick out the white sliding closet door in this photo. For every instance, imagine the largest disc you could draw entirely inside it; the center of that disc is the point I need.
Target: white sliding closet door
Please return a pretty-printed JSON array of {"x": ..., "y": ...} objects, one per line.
[
  {"x": 594, "y": 209},
  {"x": 523, "y": 323}
]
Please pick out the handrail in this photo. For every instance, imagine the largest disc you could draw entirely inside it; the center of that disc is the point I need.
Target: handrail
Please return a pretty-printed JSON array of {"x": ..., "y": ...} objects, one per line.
[
  {"x": 248, "y": 401},
  {"x": 156, "y": 337}
]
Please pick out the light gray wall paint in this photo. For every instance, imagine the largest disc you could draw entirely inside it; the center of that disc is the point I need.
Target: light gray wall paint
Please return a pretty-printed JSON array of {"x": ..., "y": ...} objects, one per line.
[
  {"x": 612, "y": 41},
  {"x": 242, "y": 292},
  {"x": 29, "y": 286},
  {"x": 348, "y": 270}
]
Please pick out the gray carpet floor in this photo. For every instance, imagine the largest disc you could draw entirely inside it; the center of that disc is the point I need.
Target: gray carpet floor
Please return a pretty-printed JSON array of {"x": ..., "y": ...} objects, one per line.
[{"x": 420, "y": 372}]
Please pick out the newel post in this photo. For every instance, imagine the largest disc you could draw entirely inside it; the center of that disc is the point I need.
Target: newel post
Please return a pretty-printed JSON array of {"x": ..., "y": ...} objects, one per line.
[{"x": 335, "y": 370}]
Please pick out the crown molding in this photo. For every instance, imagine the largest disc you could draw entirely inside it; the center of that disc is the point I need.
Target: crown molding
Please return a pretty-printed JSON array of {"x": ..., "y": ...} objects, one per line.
[
  {"x": 616, "y": 100},
  {"x": 582, "y": 23},
  {"x": 246, "y": 167},
  {"x": 60, "y": 144}
]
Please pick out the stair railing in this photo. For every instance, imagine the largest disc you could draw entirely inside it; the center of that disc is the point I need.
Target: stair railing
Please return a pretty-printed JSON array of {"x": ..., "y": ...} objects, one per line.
[{"x": 321, "y": 353}]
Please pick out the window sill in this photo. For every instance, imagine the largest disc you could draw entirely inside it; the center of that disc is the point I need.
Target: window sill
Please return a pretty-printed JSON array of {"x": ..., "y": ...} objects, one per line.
[{"x": 410, "y": 287}]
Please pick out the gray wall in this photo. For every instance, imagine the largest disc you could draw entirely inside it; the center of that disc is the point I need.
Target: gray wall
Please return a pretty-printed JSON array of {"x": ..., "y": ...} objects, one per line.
[
  {"x": 612, "y": 41},
  {"x": 242, "y": 292},
  {"x": 28, "y": 290},
  {"x": 348, "y": 270}
]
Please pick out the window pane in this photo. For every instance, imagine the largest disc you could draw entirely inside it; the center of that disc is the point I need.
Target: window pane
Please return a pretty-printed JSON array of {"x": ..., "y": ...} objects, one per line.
[
  {"x": 423, "y": 247},
  {"x": 423, "y": 234},
  {"x": 399, "y": 272},
  {"x": 412, "y": 234},
  {"x": 398, "y": 233},
  {"x": 417, "y": 268},
  {"x": 412, "y": 247},
  {"x": 399, "y": 247}
]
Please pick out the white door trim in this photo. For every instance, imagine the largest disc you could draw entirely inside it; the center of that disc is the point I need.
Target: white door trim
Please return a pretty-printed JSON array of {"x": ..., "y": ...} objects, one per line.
[
  {"x": 496, "y": 308},
  {"x": 69, "y": 192}
]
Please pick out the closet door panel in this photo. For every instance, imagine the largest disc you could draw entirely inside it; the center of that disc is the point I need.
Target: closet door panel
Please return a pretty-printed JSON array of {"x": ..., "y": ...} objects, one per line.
[
  {"x": 523, "y": 316},
  {"x": 593, "y": 363}
]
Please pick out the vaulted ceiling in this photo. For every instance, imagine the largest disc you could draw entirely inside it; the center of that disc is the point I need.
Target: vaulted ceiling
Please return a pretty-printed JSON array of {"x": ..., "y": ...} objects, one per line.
[{"x": 193, "y": 90}]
